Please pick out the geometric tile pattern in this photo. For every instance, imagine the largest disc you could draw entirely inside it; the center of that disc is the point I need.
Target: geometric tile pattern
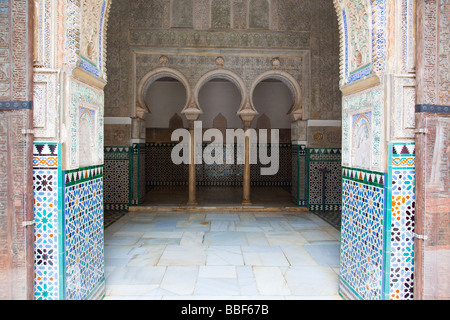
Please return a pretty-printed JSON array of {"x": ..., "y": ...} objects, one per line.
[
  {"x": 328, "y": 162},
  {"x": 116, "y": 192},
  {"x": 45, "y": 188},
  {"x": 161, "y": 171},
  {"x": 83, "y": 232},
  {"x": 137, "y": 176},
  {"x": 362, "y": 232},
  {"x": 400, "y": 221},
  {"x": 299, "y": 176},
  {"x": 283, "y": 178}
]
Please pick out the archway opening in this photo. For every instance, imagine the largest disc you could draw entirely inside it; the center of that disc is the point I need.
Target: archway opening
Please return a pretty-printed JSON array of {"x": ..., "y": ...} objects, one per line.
[
  {"x": 219, "y": 176},
  {"x": 165, "y": 98},
  {"x": 273, "y": 99}
]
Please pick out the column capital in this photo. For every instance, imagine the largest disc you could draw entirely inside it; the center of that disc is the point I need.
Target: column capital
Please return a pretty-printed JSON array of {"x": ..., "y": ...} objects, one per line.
[
  {"x": 192, "y": 112},
  {"x": 247, "y": 114}
]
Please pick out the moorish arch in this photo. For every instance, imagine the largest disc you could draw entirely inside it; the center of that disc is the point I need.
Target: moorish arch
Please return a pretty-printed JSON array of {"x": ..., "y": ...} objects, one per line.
[
  {"x": 226, "y": 75},
  {"x": 297, "y": 110},
  {"x": 364, "y": 34},
  {"x": 155, "y": 75}
]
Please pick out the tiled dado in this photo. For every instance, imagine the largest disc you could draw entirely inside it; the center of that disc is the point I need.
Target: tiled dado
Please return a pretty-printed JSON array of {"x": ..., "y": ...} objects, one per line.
[
  {"x": 117, "y": 178},
  {"x": 377, "y": 243},
  {"x": 161, "y": 171},
  {"x": 400, "y": 206},
  {"x": 84, "y": 275},
  {"x": 362, "y": 234},
  {"x": 68, "y": 210},
  {"x": 324, "y": 176},
  {"x": 47, "y": 267},
  {"x": 124, "y": 176},
  {"x": 307, "y": 178}
]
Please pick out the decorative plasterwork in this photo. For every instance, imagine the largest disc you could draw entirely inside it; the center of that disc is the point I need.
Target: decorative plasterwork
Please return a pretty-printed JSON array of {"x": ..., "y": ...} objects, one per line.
[
  {"x": 401, "y": 105},
  {"x": 240, "y": 68},
  {"x": 45, "y": 13},
  {"x": 46, "y": 103},
  {"x": 363, "y": 29},
  {"x": 85, "y": 33},
  {"x": 362, "y": 103},
  {"x": 433, "y": 52},
  {"x": 82, "y": 98}
]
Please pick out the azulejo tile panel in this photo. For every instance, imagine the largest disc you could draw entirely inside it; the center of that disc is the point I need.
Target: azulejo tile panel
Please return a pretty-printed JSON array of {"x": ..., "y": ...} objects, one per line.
[
  {"x": 362, "y": 232},
  {"x": 324, "y": 167},
  {"x": 401, "y": 210},
  {"x": 299, "y": 175},
  {"x": 45, "y": 188},
  {"x": 83, "y": 232},
  {"x": 116, "y": 177}
]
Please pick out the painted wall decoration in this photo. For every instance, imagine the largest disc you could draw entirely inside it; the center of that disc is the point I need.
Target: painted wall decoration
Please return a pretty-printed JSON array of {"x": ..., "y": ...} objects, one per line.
[
  {"x": 68, "y": 208},
  {"x": 249, "y": 26},
  {"x": 308, "y": 166},
  {"x": 161, "y": 171},
  {"x": 137, "y": 173}
]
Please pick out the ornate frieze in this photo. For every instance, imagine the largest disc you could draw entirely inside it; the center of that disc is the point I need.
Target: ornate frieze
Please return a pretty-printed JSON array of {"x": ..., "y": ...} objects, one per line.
[{"x": 237, "y": 39}]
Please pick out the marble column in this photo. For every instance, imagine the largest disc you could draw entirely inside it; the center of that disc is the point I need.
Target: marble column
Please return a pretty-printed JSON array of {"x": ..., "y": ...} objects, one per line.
[
  {"x": 247, "y": 115},
  {"x": 192, "y": 113},
  {"x": 192, "y": 200},
  {"x": 246, "y": 178}
]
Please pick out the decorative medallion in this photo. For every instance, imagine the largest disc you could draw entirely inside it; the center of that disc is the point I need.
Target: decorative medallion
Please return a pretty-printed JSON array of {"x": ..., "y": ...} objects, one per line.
[
  {"x": 164, "y": 60},
  {"x": 220, "y": 62}
]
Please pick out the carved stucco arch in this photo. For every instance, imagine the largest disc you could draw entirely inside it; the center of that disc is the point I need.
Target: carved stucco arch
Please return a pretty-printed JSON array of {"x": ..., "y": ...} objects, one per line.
[
  {"x": 222, "y": 74},
  {"x": 297, "y": 110},
  {"x": 376, "y": 23},
  {"x": 155, "y": 75}
]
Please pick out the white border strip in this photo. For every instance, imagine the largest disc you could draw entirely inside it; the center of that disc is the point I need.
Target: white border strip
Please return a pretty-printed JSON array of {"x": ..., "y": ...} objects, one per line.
[
  {"x": 117, "y": 120},
  {"x": 324, "y": 123}
]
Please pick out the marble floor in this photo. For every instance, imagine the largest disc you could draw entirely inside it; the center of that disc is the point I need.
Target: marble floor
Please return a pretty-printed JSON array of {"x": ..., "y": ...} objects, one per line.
[{"x": 221, "y": 256}]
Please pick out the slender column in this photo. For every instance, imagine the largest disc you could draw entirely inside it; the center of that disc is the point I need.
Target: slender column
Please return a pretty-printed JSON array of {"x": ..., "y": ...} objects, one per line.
[
  {"x": 192, "y": 201},
  {"x": 192, "y": 112},
  {"x": 247, "y": 114},
  {"x": 246, "y": 181}
]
